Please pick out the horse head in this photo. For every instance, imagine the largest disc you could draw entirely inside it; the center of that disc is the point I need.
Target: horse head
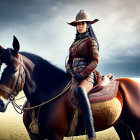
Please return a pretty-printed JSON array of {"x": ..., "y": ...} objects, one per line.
[{"x": 13, "y": 77}]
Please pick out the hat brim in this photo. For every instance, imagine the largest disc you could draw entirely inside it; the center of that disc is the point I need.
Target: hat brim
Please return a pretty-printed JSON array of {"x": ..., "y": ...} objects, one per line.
[{"x": 74, "y": 23}]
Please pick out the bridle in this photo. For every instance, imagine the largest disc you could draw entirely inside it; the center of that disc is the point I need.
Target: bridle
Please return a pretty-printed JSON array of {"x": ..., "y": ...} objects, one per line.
[{"x": 19, "y": 84}]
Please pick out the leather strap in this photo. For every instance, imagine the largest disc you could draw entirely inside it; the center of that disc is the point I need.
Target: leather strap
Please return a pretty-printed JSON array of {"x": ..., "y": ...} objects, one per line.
[
  {"x": 20, "y": 80},
  {"x": 7, "y": 90}
]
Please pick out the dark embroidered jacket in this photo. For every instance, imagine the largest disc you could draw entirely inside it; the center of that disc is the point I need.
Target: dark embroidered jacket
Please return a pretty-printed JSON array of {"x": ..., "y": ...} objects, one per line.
[{"x": 85, "y": 48}]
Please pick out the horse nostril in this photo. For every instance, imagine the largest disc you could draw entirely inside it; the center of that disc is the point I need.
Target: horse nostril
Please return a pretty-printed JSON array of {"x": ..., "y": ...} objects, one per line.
[{"x": 1, "y": 103}]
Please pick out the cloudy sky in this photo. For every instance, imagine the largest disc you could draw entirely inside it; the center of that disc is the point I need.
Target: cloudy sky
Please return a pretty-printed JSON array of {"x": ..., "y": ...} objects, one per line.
[{"x": 41, "y": 28}]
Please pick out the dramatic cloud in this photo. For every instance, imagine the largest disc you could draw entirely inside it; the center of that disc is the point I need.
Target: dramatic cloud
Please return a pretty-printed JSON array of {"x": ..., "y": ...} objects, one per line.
[{"x": 41, "y": 27}]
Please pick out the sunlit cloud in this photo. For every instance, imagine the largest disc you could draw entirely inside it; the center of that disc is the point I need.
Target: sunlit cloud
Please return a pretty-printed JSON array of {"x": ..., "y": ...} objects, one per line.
[{"x": 41, "y": 27}]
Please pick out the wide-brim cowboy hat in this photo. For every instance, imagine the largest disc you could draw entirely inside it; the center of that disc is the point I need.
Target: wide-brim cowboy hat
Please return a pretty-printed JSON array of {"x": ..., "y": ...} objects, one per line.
[{"x": 81, "y": 17}]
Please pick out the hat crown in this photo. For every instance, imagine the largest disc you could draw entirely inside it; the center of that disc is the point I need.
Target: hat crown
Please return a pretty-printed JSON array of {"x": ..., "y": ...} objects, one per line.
[{"x": 82, "y": 15}]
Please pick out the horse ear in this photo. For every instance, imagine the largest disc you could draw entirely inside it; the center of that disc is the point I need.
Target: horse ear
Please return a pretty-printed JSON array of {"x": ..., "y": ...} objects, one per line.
[
  {"x": 1, "y": 49},
  {"x": 16, "y": 45}
]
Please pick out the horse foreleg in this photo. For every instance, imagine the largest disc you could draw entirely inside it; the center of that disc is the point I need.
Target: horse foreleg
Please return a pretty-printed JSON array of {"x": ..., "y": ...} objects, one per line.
[{"x": 123, "y": 131}]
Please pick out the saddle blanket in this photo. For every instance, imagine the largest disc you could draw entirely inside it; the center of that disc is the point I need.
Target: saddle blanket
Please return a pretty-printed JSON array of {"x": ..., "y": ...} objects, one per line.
[{"x": 107, "y": 93}]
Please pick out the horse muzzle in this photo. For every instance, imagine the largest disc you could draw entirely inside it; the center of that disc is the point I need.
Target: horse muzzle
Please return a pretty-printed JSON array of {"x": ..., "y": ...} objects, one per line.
[{"x": 3, "y": 105}]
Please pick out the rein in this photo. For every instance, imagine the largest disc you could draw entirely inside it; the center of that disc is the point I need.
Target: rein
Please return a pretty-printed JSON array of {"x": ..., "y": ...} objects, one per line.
[
  {"x": 20, "y": 107},
  {"x": 63, "y": 92}
]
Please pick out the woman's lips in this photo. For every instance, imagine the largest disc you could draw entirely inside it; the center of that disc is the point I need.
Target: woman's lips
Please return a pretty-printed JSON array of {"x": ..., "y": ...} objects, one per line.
[{"x": 80, "y": 30}]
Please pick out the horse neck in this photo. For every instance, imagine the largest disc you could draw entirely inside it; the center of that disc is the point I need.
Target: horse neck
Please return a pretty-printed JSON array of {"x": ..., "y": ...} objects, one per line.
[
  {"x": 30, "y": 85},
  {"x": 41, "y": 80}
]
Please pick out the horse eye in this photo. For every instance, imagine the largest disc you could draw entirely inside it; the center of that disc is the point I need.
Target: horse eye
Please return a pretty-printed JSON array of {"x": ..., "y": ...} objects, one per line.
[{"x": 13, "y": 69}]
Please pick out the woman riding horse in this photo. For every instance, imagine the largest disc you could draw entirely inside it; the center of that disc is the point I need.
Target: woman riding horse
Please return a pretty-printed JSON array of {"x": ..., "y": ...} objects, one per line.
[
  {"x": 82, "y": 62},
  {"x": 33, "y": 74}
]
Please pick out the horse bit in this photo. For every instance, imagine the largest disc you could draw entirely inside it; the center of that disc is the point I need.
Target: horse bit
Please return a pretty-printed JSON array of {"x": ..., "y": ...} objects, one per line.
[{"x": 18, "y": 87}]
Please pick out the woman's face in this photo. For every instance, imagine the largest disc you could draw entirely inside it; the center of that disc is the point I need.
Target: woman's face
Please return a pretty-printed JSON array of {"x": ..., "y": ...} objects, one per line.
[{"x": 81, "y": 27}]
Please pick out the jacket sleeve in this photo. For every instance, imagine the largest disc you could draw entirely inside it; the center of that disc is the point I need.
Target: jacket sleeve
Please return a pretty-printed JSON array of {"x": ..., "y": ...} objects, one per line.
[
  {"x": 69, "y": 62},
  {"x": 93, "y": 55}
]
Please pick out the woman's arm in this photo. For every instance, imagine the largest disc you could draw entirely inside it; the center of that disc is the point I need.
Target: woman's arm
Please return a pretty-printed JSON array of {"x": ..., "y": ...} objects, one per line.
[{"x": 93, "y": 54}]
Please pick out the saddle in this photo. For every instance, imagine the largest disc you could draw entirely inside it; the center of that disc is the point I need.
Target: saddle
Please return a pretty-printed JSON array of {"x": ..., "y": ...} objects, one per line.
[
  {"x": 104, "y": 90},
  {"x": 104, "y": 82}
]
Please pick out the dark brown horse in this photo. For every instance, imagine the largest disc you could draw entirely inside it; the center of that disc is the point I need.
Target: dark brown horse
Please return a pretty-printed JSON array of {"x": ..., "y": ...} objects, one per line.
[{"x": 42, "y": 81}]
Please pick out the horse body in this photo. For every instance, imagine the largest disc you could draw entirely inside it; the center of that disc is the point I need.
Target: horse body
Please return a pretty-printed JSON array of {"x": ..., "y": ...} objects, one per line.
[
  {"x": 44, "y": 81},
  {"x": 106, "y": 114},
  {"x": 102, "y": 111},
  {"x": 130, "y": 91}
]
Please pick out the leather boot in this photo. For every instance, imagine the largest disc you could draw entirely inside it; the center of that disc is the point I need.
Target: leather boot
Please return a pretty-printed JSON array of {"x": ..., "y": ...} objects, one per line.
[{"x": 86, "y": 112}]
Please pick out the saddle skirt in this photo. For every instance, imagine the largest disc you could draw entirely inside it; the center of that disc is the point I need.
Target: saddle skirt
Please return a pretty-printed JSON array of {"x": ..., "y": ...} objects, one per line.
[{"x": 103, "y": 91}]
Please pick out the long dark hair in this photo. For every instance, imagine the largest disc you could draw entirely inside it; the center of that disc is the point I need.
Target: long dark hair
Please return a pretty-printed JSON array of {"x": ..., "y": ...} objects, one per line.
[{"x": 91, "y": 34}]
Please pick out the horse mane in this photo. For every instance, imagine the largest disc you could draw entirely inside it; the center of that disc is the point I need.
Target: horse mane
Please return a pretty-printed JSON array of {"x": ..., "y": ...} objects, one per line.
[{"x": 45, "y": 72}]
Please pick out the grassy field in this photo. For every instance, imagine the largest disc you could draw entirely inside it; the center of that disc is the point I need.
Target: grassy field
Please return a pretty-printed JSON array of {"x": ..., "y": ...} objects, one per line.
[{"x": 12, "y": 128}]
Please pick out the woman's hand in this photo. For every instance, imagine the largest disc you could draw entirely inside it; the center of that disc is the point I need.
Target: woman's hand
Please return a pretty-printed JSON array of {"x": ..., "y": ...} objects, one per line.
[{"x": 78, "y": 77}]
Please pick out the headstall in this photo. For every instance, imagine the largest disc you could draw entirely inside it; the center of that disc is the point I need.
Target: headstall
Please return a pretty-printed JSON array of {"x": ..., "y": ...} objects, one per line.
[{"x": 19, "y": 84}]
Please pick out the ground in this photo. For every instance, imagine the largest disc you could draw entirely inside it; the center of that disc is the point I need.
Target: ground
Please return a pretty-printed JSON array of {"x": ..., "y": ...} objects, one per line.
[{"x": 12, "y": 128}]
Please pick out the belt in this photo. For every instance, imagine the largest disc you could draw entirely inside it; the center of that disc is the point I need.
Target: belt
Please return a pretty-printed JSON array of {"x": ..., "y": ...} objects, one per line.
[
  {"x": 79, "y": 62},
  {"x": 78, "y": 59}
]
